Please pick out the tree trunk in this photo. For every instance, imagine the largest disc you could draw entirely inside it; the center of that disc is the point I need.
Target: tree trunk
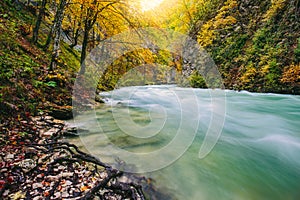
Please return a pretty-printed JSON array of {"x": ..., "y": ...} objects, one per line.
[
  {"x": 75, "y": 40},
  {"x": 88, "y": 25},
  {"x": 39, "y": 21},
  {"x": 58, "y": 31},
  {"x": 58, "y": 16},
  {"x": 84, "y": 49},
  {"x": 76, "y": 30}
]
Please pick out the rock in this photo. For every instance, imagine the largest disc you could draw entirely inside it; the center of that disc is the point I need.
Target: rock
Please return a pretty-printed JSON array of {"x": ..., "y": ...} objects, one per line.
[
  {"x": 70, "y": 132},
  {"x": 62, "y": 113},
  {"x": 98, "y": 99},
  {"x": 50, "y": 132}
]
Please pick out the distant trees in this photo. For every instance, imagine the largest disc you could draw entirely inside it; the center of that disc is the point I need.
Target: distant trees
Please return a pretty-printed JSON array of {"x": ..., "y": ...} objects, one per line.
[
  {"x": 89, "y": 21},
  {"x": 254, "y": 43}
]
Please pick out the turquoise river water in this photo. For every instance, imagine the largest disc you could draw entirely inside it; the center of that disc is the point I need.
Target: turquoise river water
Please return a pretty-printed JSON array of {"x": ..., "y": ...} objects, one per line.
[{"x": 257, "y": 156}]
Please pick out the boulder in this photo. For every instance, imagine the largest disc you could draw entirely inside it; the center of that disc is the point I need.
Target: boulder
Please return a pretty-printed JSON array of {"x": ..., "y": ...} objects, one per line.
[{"x": 62, "y": 113}]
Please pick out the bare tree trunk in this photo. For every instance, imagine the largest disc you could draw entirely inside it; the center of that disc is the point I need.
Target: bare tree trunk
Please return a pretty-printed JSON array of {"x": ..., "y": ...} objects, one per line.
[
  {"x": 75, "y": 38},
  {"x": 88, "y": 25},
  {"x": 58, "y": 16},
  {"x": 76, "y": 30},
  {"x": 58, "y": 31},
  {"x": 39, "y": 21},
  {"x": 84, "y": 49}
]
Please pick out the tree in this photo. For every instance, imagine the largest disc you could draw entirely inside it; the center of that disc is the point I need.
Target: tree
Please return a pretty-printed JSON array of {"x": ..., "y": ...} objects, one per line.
[
  {"x": 57, "y": 29},
  {"x": 40, "y": 16},
  {"x": 92, "y": 9}
]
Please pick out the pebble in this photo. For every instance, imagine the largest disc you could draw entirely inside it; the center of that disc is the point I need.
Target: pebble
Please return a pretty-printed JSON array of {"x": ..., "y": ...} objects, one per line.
[
  {"x": 52, "y": 178},
  {"x": 37, "y": 198},
  {"x": 124, "y": 179},
  {"x": 57, "y": 121},
  {"x": 57, "y": 195},
  {"x": 49, "y": 118},
  {"x": 40, "y": 123},
  {"x": 65, "y": 195},
  {"x": 37, "y": 185},
  {"x": 67, "y": 174},
  {"x": 68, "y": 183},
  {"x": 49, "y": 121},
  {"x": 39, "y": 176},
  {"x": 3, "y": 170},
  {"x": 50, "y": 132},
  {"x": 56, "y": 126},
  {"x": 103, "y": 175},
  {"x": 6, "y": 192},
  {"x": 10, "y": 156}
]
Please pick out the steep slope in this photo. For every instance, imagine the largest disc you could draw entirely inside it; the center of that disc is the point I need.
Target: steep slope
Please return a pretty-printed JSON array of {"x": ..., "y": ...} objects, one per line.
[{"x": 256, "y": 44}]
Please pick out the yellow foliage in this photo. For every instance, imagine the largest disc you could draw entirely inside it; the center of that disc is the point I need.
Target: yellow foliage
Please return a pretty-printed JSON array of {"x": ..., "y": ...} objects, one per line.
[
  {"x": 275, "y": 7},
  {"x": 222, "y": 20},
  {"x": 265, "y": 69},
  {"x": 249, "y": 74},
  {"x": 291, "y": 74}
]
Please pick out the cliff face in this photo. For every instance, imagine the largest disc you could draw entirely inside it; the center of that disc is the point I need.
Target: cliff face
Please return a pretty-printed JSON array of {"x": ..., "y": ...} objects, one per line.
[{"x": 256, "y": 44}]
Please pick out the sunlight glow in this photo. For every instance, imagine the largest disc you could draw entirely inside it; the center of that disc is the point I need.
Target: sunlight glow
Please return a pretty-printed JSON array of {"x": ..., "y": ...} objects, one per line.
[{"x": 149, "y": 4}]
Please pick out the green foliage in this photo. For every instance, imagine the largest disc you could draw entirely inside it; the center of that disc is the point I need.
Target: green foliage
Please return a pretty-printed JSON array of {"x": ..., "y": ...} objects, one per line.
[
  {"x": 197, "y": 81},
  {"x": 51, "y": 84},
  {"x": 297, "y": 52}
]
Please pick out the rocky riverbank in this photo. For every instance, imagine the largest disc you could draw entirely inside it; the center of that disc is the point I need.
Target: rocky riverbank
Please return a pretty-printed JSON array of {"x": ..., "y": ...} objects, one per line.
[{"x": 37, "y": 164}]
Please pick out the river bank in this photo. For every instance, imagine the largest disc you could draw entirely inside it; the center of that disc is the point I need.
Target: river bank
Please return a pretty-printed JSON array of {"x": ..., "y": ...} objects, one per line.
[{"x": 37, "y": 163}]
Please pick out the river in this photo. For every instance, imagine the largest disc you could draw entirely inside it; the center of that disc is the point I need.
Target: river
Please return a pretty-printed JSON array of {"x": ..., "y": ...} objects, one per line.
[{"x": 256, "y": 157}]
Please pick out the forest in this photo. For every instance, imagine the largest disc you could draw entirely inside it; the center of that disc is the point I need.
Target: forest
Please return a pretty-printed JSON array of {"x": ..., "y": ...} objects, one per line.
[{"x": 255, "y": 45}]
